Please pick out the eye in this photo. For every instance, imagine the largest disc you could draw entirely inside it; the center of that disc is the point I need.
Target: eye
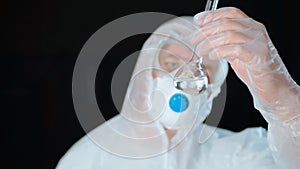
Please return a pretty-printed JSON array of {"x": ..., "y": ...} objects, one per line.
[
  {"x": 169, "y": 61},
  {"x": 172, "y": 65}
]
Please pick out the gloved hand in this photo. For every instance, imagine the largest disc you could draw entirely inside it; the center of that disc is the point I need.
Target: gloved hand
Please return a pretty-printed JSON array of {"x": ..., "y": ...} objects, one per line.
[{"x": 228, "y": 33}]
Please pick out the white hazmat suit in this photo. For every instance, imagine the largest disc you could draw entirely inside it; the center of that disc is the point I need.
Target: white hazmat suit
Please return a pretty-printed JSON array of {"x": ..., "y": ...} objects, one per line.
[{"x": 150, "y": 133}]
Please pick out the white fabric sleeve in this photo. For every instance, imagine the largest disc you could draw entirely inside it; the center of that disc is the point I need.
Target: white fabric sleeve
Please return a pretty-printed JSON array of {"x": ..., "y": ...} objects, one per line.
[{"x": 284, "y": 142}]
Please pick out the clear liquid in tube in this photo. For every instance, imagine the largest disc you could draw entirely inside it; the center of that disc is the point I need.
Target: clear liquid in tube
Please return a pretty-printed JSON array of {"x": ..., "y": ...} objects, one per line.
[
  {"x": 191, "y": 78},
  {"x": 192, "y": 86}
]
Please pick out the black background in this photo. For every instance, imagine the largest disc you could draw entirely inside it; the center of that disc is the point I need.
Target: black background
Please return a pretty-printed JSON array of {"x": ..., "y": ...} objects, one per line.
[{"x": 41, "y": 41}]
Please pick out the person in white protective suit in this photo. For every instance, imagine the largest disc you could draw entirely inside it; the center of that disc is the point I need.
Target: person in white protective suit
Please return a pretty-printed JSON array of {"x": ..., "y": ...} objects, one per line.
[{"x": 162, "y": 127}]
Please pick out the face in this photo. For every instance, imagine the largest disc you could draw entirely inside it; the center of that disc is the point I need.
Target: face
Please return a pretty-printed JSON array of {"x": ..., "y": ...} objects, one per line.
[
  {"x": 170, "y": 58},
  {"x": 173, "y": 56}
]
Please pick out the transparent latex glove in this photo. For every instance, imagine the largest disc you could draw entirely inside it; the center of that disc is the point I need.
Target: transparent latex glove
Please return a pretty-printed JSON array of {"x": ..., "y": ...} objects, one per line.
[{"x": 230, "y": 34}]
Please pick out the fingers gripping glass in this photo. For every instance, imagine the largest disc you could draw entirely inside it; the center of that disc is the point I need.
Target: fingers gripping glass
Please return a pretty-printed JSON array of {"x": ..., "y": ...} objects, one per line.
[{"x": 191, "y": 77}]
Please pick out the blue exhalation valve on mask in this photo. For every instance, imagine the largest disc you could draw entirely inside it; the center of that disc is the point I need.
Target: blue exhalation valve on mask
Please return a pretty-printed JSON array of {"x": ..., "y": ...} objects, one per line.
[{"x": 178, "y": 102}]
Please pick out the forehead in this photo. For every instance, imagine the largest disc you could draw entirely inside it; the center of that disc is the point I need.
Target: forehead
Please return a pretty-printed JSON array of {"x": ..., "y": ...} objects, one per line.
[{"x": 183, "y": 52}]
